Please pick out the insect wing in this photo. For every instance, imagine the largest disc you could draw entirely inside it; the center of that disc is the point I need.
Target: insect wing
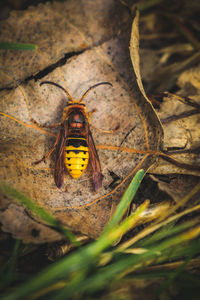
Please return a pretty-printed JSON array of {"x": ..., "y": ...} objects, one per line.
[
  {"x": 59, "y": 165},
  {"x": 94, "y": 161}
]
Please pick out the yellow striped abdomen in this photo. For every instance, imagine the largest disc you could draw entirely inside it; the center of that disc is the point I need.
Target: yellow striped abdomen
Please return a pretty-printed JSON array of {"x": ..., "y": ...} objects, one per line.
[{"x": 76, "y": 156}]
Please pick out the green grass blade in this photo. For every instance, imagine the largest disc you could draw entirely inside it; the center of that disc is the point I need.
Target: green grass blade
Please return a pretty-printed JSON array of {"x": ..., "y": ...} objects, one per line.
[
  {"x": 168, "y": 230},
  {"x": 179, "y": 270},
  {"x": 37, "y": 210},
  {"x": 17, "y": 46},
  {"x": 129, "y": 264},
  {"x": 51, "y": 275},
  {"x": 126, "y": 200},
  {"x": 80, "y": 270},
  {"x": 84, "y": 258},
  {"x": 105, "y": 240}
]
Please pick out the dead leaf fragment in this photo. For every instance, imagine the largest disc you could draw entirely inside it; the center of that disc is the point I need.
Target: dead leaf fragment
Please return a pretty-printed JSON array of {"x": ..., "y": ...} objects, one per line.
[
  {"x": 60, "y": 30},
  {"x": 135, "y": 58},
  {"x": 182, "y": 134},
  {"x": 133, "y": 146}
]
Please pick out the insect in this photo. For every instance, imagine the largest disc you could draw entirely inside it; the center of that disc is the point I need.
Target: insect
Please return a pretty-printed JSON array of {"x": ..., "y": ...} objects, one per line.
[{"x": 74, "y": 145}]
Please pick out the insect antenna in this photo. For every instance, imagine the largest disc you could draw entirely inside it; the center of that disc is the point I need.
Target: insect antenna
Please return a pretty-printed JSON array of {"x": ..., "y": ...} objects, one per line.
[
  {"x": 59, "y": 86},
  {"x": 92, "y": 87}
]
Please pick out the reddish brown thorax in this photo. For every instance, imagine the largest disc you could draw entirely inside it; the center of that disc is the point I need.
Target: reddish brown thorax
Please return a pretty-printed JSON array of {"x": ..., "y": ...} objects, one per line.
[{"x": 76, "y": 119}]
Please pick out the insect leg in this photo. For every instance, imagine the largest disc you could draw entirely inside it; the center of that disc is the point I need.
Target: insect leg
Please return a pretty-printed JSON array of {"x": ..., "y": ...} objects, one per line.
[
  {"x": 106, "y": 131},
  {"x": 45, "y": 156},
  {"x": 89, "y": 115},
  {"x": 99, "y": 129},
  {"x": 45, "y": 126},
  {"x": 50, "y": 151}
]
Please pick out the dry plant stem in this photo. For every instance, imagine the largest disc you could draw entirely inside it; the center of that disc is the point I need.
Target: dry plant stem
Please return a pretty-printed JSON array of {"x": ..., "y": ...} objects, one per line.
[
  {"x": 186, "y": 101},
  {"x": 153, "y": 228},
  {"x": 181, "y": 116},
  {"x": 178, "y": 151},
  {"x": 194, "y": 263},
  {"x": 179, "y": 164},
  {"x": 33, "y": 126}
]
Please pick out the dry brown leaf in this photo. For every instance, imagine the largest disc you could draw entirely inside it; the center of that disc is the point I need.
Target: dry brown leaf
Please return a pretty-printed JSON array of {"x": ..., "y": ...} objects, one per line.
[
  {"x": 59, "y": 30},
  {"x": 134, "y": 53},
  {"x": 139, "y": 137},
  {"x": 135, "y": 58},
  {"x": 179, "y": 134},
  {"x": 164, "y": 78},
  {"x": 178, "y": 186},
  {"x": 182, "y": 134}
]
